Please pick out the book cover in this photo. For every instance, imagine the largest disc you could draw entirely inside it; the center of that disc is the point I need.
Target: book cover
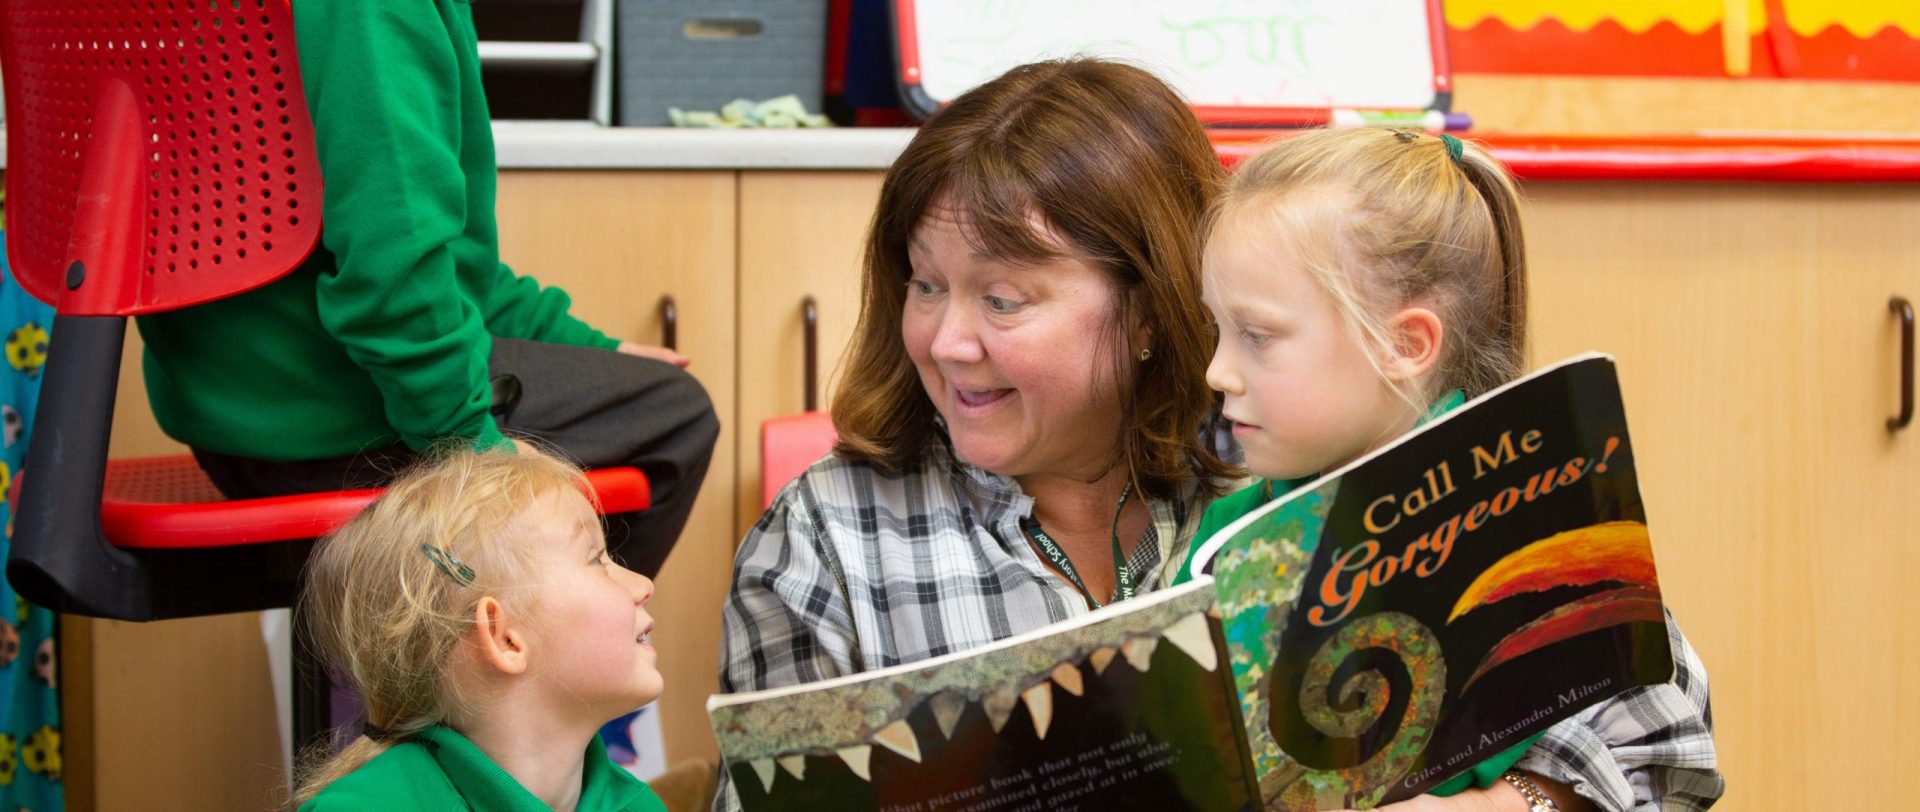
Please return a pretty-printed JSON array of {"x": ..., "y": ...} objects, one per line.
[
  {"x": 1130, "y": 707},
  {"x": 1434, "y": 603}
]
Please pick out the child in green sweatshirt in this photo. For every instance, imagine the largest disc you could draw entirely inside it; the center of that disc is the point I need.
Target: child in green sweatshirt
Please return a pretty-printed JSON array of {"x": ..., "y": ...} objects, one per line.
[{"x": 475, "y": 608}]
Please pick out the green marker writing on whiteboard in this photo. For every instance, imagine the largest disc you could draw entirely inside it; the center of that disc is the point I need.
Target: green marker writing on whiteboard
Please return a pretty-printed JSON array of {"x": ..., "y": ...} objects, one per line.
[{"x": 1430, "y": 120}]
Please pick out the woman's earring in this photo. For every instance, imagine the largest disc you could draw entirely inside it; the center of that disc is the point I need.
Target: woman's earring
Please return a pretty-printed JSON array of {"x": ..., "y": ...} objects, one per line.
[{"x": 1146, "y": 353}]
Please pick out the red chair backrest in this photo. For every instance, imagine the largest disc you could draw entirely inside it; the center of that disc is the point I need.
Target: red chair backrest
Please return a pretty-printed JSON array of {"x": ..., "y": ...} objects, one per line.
[
  {"x": 185, "y": 117},
  {"x": 788, "y": 445}
]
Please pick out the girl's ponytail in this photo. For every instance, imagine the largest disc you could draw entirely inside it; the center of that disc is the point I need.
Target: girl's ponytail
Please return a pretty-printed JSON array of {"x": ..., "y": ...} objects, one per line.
[
  {"x": 1496, "y": 188},
  {"x": 328, "y": 767}
]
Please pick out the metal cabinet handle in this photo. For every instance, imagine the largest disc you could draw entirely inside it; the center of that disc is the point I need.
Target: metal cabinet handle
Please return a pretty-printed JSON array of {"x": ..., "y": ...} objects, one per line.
[
  {"x": 810, "y": 332},
  {"x": 1904, "y": 310},
  {"x": 669, "y": 323}
]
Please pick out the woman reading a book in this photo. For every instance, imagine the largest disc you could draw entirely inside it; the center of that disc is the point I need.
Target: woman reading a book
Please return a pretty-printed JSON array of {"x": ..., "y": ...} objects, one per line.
[{"x": 1023, "y": 419}]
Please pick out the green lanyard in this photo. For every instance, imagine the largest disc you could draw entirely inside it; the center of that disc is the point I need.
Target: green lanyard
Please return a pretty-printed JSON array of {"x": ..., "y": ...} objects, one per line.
[{"x": 1122, "y": 573}]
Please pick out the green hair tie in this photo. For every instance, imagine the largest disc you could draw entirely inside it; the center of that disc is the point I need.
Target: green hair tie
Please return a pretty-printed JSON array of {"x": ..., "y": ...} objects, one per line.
[
  {"x": 1455, "y": 149},
  {"x": 453, "y": 567}
]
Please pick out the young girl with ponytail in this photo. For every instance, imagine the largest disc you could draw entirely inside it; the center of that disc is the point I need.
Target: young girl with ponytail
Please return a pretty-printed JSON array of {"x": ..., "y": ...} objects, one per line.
[{"x": 1364, "y": 281}]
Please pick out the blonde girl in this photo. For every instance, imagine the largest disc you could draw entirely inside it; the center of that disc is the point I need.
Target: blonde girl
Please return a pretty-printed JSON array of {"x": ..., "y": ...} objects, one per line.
[
  {"x": 475, "y": 609},
  {"x": 1363, "y": 280}
]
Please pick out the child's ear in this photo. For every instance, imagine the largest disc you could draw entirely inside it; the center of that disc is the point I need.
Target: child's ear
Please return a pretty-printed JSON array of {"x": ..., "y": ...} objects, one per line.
[
  {"x": 501, "y": 641},
  {"x": 1417, "y": 335}
]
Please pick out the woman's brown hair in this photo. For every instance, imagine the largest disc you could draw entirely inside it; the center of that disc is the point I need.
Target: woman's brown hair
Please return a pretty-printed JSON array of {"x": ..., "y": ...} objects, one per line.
[{"x": 1111, "y": 162}]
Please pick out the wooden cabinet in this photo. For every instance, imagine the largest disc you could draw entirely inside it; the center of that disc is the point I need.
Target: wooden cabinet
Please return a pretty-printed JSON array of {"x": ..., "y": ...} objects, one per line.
[
  {"x": 1759, "y": 363},
  {"x": 618, "y": 241},
  {"x": 801, "y": 234}
]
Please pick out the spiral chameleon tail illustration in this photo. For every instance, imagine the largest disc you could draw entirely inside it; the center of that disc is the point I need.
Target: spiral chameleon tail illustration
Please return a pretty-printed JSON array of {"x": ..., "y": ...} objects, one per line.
[{"x": 1365, "y": 698}]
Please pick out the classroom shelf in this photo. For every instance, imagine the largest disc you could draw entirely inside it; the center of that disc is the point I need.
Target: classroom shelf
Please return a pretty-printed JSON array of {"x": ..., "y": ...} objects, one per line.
[{"x": 563, "y": 145}]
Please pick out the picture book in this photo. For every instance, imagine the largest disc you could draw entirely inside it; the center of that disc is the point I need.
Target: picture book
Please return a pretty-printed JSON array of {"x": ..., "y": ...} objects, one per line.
[
  {"x": 1444, "y": 598},
  {"x": 1130, "y": 707}
]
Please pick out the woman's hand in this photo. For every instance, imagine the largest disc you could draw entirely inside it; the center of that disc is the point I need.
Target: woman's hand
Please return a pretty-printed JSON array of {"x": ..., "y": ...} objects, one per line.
[{"x": 656, "y": 353}]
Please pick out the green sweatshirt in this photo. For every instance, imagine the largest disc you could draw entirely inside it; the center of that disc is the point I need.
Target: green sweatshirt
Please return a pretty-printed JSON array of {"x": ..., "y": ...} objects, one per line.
[
  {"x": 382, "y": 335},
  {"x": 1227, "y": 508},
  {"x": 442, "y": 770}
]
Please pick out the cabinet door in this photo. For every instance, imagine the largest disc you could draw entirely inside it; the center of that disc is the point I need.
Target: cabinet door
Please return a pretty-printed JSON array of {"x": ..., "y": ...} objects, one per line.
[
  {"x": 1758, "y": 362},
  {"x": 617, "y": 242},
  {"x": 801, "y": 234}
]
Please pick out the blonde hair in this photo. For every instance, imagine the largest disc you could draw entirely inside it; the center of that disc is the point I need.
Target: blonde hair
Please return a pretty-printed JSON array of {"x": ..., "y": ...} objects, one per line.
[
  {"x": 1386, "y": 219},
  {"x": 387, "y": 614},
  {"x": 1115, "y": 165}
]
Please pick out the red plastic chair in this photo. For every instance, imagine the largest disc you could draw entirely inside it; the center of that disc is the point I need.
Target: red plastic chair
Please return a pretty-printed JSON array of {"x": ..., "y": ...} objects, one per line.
[
  {"x": 160, "y": 155},
  {"x": 790, "y": 443}
]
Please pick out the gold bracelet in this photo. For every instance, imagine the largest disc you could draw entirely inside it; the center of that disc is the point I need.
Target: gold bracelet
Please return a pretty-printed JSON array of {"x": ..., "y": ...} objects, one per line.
[{"x": 1537, "y": 801}]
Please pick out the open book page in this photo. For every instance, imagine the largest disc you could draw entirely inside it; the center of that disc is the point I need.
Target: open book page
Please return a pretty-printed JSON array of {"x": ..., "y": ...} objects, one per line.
[
  {"x": 1445, "y": 598},
  {"x": 1131, "y": 706}
]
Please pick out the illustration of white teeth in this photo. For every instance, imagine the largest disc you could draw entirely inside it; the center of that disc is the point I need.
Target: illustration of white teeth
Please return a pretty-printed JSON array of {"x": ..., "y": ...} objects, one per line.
[
  {"x": 1190, "y": 635},
  {"x": 947, "y": 707},
  {"x": 763, "y": 767},
  {"x": 1139, "y": 652},
  {"x": 1039, "y": 700},
  {"x": 899, "y": 738},
  {"x": 1102, "y": 658},
  {"x": 858, "y": 758},
  {"x": 1069, "y": 678},
  {"x": 795, "y": 765},
  {"x": 999, "y": 706}
]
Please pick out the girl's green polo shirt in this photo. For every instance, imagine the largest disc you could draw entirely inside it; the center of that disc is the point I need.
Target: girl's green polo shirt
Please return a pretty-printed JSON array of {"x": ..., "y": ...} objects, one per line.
[
  {"x": 1227, "y": 508},
  {"x": 439, "y": 769}
]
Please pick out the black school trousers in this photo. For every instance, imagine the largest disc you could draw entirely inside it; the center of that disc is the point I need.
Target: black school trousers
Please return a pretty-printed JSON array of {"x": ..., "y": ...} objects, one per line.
[{"x": 596, "y": 407}]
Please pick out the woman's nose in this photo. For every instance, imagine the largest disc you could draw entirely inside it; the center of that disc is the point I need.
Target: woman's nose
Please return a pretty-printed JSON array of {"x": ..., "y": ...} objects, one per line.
[{"x": 957, "y": 339}]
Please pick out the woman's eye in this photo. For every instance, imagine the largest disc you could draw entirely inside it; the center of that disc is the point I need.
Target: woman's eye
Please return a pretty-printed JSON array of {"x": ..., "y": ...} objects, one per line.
[
  {"x": 1254, "y": 337},
  {"x": 921, "y": 287},
  {"x": 1001, "y": 305}
]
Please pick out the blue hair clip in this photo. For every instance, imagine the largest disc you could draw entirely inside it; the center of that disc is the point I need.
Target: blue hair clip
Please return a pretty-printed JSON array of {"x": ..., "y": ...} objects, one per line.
[{"x": 453, "y": 567}]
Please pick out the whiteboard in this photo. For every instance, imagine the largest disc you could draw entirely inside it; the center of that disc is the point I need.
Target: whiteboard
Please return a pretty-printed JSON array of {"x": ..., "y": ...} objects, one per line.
[{"x": 1299, "y": 54}]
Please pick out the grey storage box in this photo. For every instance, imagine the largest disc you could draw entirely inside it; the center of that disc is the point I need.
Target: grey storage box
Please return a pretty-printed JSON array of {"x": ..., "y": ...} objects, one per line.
[{"x": 701, "y": 54}]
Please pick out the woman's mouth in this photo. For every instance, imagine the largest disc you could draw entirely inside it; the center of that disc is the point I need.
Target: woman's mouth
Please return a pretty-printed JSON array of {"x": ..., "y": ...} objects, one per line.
[{"x": 979, "y": 398}]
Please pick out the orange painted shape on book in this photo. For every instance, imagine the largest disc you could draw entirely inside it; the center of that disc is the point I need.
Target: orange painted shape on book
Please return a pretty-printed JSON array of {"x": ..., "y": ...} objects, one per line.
[{"x": 1611, "y": 551}]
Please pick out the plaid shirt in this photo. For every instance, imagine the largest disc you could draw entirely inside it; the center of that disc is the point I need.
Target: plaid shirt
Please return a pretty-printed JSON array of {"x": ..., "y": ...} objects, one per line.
[
  {"x": 934, "y": 554},
  {"x": 1647, "y": 750}
]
